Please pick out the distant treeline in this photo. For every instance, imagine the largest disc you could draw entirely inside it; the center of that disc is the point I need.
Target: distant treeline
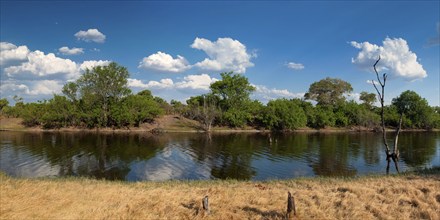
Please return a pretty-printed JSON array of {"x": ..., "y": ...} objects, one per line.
[{"x": 101, "y": 98}]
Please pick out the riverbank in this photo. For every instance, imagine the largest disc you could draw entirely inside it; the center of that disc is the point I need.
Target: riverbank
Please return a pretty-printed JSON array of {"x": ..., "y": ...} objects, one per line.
[
  {"x": 410, "y": 196},
  {"x": 171, "y": 124}
]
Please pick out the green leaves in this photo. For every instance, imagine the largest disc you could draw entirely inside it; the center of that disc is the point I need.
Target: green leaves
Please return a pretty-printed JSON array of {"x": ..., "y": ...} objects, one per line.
[
  {"x": 415, "y": 108},
  {"x": 328, "y": 92},
  {"x": 283, "y": 114}
]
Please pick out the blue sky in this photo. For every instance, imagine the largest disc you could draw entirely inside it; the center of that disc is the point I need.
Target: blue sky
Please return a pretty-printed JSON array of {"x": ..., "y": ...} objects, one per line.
[{"x": 177, "y": 48}]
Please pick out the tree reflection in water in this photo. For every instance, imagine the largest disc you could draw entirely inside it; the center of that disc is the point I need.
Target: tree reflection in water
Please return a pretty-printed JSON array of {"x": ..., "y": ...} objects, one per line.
[{"x": 202, "y": 156}]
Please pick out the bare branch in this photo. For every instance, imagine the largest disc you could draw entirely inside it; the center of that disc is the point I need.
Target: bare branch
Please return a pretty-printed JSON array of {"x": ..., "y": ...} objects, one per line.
[
  {"x": 377, "y": 90},
  {"x": 377, "y": 74}
]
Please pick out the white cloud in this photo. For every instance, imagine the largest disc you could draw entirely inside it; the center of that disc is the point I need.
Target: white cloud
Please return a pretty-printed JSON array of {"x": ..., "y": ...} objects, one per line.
[
  {"x": 396, "y": 58},
  {"x": 295, "y": 66},
  {"x": 91, "y": 35},
  {"x": 37, "y": 75},
  {"x": 265, "y": 94},
  {"x": 42, "y": 65},
  {"x": 164, "y": 62},
  {"x": 89, "y": 64},
  {"x": 190, "y": 82},
  {"x": 9, "y": 53},
  {"x": 353, "y": 97},
  {"x": 46, "y": 87},
  {"x": 225, "y": 54},
  {"x": 34, "y": 88},
  {"x": 12, "y": 87},
  {"x": 71, "y": 51},
  {"x": 196, "y": 82},
  {"x": 162, "y": 84}
]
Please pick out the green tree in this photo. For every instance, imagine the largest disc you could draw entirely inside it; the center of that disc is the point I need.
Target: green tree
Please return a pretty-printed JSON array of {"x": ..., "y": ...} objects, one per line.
[
  {"x": 70, "y": 90},
  {"x": 204, "y": 108},
  {"x": 59, "y": 112},
  {"x": 4, "y": 103},
  {"x": 368, "y": 98},
  {"x": 328, "y": 92},
  {"x": 283, "y": 114},
  {"x": 134, "y": 110},
  {"x": 233, "y": 91},
  {"x": 415, "y": 108},
  {"x": 104, "y": 84}
]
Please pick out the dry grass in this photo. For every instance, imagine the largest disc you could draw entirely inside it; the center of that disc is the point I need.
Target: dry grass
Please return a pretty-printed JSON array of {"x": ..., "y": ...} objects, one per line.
[
  {"x": 11, "y": 123},
  {"x": 393, "y": 197}
]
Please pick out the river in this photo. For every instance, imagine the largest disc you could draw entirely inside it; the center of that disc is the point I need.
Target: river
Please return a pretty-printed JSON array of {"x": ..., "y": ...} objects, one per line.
[{"x": 188, "y": 156}]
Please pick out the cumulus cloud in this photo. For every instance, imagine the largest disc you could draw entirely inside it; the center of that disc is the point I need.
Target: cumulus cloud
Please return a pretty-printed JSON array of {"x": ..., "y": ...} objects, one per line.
[
  {"x": 164, "y": 62},
  {"x": 46, "y": 87},
  {"x": 353, "y": 97},
  {"x": 190, "y": 82},
  {"x": 34, "y": 74},
  {"x": 225, "y": 54},
  {"x": 89, "y": 64},
  {"x": 162, "y": 84},
  {"x": 11, "y": 54},
  {"x": 295, "y": 66},
  {"x": 43, "y": 65},
  {"x": 71, "y": 51},
  {"x": 396, "y": 58},
  {"x": 10, "y": 86},
  {"x": 91, "y": 35},
  {"x": 265, "y": 94},
  {"x": 196, "y": 82}
]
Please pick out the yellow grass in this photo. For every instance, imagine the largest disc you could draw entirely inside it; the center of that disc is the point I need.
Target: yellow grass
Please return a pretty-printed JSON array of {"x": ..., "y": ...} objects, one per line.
[{"x": 391, "y": 197}]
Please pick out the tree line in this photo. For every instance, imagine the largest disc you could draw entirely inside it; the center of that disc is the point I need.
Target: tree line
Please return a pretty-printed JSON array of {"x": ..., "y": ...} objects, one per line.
[{"x": 101, "y": 98}]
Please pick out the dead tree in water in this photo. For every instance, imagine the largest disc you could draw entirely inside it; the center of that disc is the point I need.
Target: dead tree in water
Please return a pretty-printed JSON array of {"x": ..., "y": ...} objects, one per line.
[{"x": 381, "y": 94}]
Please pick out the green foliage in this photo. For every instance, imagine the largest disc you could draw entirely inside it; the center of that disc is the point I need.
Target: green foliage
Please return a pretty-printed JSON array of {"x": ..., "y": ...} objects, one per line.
[
  {"x": 415, "y": 109},
  {"x": 323, "y": 117},
  {"x": 4, "y": 105},
  {"x": 58, "y": 112},
  {"x": 328, "y": 92},
  {"x": 368, "y": 99},
  {"x": 283, "y": 114},
  {"x": 134, "y": 110},
  {"x": 32, "y": 113},
  {"x": 104, "y": 84},
  {"x": 204, "y": 108},
  {"x": 70, "y": 90},
  {"x": 233, "y": 91},
  {"x": 367, "y": 118},
  {"x": 177, "y": 107}
]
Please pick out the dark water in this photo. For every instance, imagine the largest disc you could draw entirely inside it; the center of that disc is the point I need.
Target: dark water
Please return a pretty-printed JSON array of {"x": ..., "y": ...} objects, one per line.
[{"x": 137, "y": 157}]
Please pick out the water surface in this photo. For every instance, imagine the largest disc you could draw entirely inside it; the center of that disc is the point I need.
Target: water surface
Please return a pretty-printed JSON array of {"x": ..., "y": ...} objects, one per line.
[{"x": 138, "y": 157}]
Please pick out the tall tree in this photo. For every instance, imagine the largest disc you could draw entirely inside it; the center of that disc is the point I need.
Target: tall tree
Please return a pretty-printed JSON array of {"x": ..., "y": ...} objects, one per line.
[
  {"x": 233, "y": 91},
  {"x": 367, "y": 98},
  {"x": 415, "y": 108},
  {"x": 328, "y": 92},
  {"x": 105, "y": 84}
]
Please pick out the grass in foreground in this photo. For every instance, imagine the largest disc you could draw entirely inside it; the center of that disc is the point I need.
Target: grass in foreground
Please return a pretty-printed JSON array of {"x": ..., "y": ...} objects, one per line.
[{"x": 388, "y": 197}]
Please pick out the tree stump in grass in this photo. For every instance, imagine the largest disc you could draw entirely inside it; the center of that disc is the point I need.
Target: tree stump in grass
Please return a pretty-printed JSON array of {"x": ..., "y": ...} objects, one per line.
[
  {"x": 205, "y": 205},
  {"x": 291, "y": 210}
]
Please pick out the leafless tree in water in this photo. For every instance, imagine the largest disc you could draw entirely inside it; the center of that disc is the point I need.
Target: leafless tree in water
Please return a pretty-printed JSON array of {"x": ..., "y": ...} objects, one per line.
[{"x": 394, "y": 155}]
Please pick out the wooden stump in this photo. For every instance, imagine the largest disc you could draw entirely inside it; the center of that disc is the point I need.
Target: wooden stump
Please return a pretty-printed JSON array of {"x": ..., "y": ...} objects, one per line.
[
  {"x": 291, "y": 210},
  {"x": 205, "y": 204}
]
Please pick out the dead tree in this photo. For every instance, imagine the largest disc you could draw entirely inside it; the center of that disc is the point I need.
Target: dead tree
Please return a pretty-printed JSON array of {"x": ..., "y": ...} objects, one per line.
[{"x": 381, "y": 94}]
